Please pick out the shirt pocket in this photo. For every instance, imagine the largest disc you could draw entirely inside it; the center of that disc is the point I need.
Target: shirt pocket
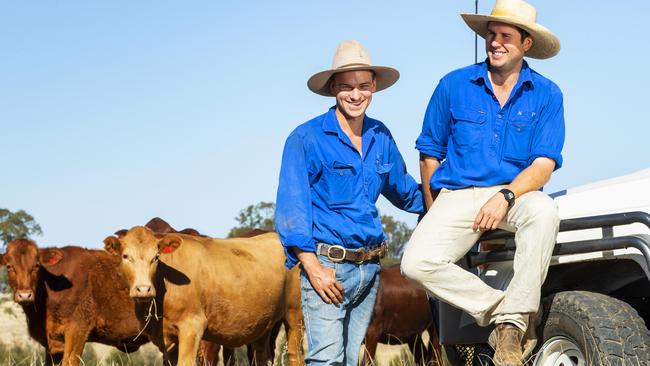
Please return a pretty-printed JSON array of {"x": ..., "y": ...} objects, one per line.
[
  {"x": 519, "y": 133},
  {"x": 339, "y": 182},
  {"x": 467, "y": 127}
]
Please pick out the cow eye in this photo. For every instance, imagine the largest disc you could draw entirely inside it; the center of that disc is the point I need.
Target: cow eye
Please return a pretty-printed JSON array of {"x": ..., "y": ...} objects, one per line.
[
  {"x": 155, "y": 258},
  {"x": 125, "y": 256},
  {"x": 9, "y": 268}
]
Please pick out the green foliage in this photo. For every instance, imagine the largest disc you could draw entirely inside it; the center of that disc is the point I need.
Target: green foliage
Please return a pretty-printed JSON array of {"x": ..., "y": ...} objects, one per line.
[
  {"x": 17, "y": 225},
  {"x": 4, "y": 281},
  {"x": 397, "y": 234},
  {"x": 262, "y": 216},
  {"x": 89, "y": 356},
  {"x": 19, "y": 356},
  {"x": 143, "y": 357},
  {"x": 258, "y": 216}
]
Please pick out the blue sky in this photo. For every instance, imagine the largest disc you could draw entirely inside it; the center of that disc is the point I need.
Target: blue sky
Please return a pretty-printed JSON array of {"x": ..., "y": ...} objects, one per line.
[{"x": 114, "y": 112}]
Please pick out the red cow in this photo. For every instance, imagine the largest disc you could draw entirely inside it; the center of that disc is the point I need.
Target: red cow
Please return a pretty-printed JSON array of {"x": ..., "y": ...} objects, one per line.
[
  {"x": 70, "y": 296},
  {"x": 400, "y": 315}
]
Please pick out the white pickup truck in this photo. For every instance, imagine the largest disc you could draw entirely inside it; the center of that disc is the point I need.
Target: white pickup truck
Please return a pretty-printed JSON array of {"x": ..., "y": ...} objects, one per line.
[{"x": 596, "y": 297}]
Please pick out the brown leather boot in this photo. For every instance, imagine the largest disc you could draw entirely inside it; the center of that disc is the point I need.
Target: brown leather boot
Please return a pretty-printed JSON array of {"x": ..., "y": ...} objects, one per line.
[{"x": 506, "y": 341}]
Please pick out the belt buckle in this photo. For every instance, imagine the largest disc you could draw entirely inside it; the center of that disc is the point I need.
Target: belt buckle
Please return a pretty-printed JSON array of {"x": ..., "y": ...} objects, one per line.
[{"x": 336, "y": 260}]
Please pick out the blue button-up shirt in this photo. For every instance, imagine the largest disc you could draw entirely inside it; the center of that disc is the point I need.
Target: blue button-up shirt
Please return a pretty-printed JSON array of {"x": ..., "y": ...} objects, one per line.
[
  {"x": 327, "y": 190},
  {"x": 481, "y": 144}
]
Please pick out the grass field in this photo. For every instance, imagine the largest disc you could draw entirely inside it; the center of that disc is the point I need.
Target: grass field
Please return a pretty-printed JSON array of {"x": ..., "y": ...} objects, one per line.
[{"x": 18, "y": 349}]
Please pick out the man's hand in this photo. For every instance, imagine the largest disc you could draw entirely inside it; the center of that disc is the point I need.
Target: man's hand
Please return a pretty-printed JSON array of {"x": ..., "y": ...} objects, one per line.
[
  {"x": 322, "y": 279},
  {"x": 491, "y": 214}
]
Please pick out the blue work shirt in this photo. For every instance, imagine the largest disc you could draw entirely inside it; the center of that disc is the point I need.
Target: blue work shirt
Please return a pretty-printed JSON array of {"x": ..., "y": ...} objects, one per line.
[
  {"x": 327, "y": 190},
  {"x": 481, "y": 144}
]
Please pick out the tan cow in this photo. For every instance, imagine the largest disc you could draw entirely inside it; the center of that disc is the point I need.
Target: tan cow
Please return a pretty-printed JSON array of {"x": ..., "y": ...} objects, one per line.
[{"x": 228, "y": 291}]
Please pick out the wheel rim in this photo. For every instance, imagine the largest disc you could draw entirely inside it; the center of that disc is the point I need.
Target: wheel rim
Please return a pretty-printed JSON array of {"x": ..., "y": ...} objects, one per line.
[{"x": 560, "y": 351}]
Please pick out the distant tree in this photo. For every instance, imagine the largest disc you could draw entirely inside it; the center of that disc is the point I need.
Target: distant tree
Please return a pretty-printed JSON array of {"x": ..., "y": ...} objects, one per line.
[
  {"x": 397, "y": 234},
  {"x": 262, "y": 215},
  {"x": 258, "y": 216},
  {"x": 17, "y": 225}
]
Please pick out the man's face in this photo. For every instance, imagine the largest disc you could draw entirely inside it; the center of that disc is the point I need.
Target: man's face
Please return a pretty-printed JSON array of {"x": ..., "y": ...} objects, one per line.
[
  {"x": 504, "y": 46},
  {"x": 353, "y": 91}
]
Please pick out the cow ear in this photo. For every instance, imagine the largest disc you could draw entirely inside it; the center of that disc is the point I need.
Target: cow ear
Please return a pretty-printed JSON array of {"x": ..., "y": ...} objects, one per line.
[
  {"x": 113, "y": 245},
  {"x": 50, "y": 257},
  {"x": 169, "y": 243},
  {"x": 120, "y": 233}
]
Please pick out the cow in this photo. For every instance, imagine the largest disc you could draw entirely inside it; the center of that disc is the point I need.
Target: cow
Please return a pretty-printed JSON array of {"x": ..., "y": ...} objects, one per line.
[
  {"x": 400, "y": 315},
  {"x": 72, "y": 295},
  {"x": 228, "y": 291}
]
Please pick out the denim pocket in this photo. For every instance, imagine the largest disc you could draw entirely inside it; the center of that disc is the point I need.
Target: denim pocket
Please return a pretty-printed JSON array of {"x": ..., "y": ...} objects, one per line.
[
  {"x": 467, "y": 127},
  {"x": 340, "y": 180},
  {"x": 519, "y": 133}
]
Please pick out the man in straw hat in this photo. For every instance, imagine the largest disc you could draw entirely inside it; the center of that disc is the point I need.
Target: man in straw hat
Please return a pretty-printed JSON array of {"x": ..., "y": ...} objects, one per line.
[
  {"x": 492, "y": 135},
  {"x": 333, "y": 169}
]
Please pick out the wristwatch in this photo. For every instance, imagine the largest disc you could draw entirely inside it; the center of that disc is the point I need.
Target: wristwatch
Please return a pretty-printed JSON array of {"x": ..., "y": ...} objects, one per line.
[{"x": 509, "y": 196}]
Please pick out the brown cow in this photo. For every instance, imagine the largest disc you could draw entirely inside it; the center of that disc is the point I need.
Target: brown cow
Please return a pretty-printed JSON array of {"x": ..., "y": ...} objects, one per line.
[
  {"x": 400, "y": 315},
  {"x": 70, "y": 296},
  {"x": 228, "y": 291}
]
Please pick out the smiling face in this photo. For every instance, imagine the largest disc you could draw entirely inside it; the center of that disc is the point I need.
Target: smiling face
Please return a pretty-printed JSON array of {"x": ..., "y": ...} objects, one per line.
[
  {"x": 505, "y": 47},
  {"x": 353, "y": 91}
]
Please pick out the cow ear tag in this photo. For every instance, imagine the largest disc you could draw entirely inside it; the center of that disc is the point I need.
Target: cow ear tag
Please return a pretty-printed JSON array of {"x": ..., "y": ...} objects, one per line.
[{"x": 166, "y": 249}]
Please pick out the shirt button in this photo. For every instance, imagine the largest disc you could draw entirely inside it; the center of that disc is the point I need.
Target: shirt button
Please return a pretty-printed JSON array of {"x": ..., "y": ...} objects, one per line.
[
  {"x": 496, "y": 136},
  {"x": 518, "y": 129},
  {"x": 499, "y": 116}
]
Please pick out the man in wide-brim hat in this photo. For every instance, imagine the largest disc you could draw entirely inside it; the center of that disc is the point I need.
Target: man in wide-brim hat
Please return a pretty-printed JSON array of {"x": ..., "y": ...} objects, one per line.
[
  {"x": 333, "y": 169},
  {"x": 492, "y": 135}
]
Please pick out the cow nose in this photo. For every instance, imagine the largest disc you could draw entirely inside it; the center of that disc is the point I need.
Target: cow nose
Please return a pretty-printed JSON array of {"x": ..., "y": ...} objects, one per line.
[
  {"x": 144, "y": 290},
  {"x": 24, "y": 296}
]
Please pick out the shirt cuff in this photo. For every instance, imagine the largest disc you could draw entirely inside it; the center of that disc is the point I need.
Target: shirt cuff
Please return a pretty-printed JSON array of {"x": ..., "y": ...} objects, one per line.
[
  {"x": 292, "y": 258},
  {"x": 557, "y": 157}
]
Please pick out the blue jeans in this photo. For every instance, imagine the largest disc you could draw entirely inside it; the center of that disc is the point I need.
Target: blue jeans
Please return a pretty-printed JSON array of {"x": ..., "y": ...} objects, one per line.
[{"x": 335, "y": 332}]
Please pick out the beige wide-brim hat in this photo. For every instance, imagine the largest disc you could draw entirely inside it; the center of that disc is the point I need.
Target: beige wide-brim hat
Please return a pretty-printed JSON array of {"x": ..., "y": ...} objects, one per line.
[
  {"x": 520, "y": 14},
  {"x": 351, "y": 56}
]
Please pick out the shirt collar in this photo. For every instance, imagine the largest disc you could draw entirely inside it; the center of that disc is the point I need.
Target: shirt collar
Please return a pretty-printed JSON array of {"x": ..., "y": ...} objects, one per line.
[
  {"x": 481, "y": 73},
  {"x": 331, "y": 123}
]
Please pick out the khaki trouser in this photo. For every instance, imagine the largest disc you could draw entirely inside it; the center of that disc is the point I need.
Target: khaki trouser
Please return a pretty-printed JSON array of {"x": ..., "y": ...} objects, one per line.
[{"x": 445, "y": 235}]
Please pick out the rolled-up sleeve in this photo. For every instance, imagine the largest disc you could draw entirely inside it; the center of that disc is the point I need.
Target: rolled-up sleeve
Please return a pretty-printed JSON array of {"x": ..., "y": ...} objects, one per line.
[
  {"x": 400, "y": 188},
  {"x": 293, "y": 213},
  {"x": 435, "y": 128},
  {"x": 548, "y": 139}
]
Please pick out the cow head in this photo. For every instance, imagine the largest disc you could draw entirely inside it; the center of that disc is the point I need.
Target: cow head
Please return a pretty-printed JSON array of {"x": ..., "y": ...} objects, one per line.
[
  {"x": 23, "y": 260},
  {"x": 140, "y": 250}
]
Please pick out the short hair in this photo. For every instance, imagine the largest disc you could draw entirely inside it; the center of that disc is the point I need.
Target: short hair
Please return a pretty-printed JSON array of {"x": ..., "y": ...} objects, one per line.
[{"x": 523, "y": 34}]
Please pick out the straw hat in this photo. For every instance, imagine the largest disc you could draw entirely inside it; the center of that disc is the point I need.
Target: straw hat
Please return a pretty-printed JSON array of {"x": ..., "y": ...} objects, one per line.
[
  {"x": 351, "y": 56},
  {"x": 520, "y": 14}
]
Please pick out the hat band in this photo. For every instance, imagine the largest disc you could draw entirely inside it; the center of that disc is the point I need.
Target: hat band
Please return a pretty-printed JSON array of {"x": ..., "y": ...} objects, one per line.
[{"x": 358, "y": 64}]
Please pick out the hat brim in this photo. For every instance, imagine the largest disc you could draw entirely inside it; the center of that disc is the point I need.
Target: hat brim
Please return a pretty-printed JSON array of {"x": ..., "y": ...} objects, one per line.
[
  {"x": 545, "y": 43},
  {"x": 384, "y": 77}
]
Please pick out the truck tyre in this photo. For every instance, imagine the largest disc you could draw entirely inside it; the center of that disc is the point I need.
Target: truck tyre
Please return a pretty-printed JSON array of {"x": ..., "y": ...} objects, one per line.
[{"x": 587, "y": 328}]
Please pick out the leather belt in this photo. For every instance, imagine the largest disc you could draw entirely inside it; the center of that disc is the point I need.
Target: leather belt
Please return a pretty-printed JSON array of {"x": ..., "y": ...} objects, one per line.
[{"x": 337, "y": 253}]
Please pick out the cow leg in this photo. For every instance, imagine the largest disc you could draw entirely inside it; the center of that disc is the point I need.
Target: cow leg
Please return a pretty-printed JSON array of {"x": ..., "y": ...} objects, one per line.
[
  {"x": 258, "y": 351},
  {"x": 417, "y": 346},
  {"x": 208, "y": 354},
  {"x": 228, "y": 356},
  {"x": 293, "y": 327},
  {"x": 52, "y": 359},
  {"x": 371, "y": 340},
  {"x": 434, "y": 344},
  {"x": 190, "y": 333},
  {"x": 75, "y": 340}
]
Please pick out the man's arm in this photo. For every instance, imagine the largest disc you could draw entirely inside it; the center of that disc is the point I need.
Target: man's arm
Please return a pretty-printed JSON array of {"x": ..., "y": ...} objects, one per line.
[
  {"x": 530, "y": 179},
  {"x": 322, "y": 279},
  {"x": 428, "y": 166}
]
